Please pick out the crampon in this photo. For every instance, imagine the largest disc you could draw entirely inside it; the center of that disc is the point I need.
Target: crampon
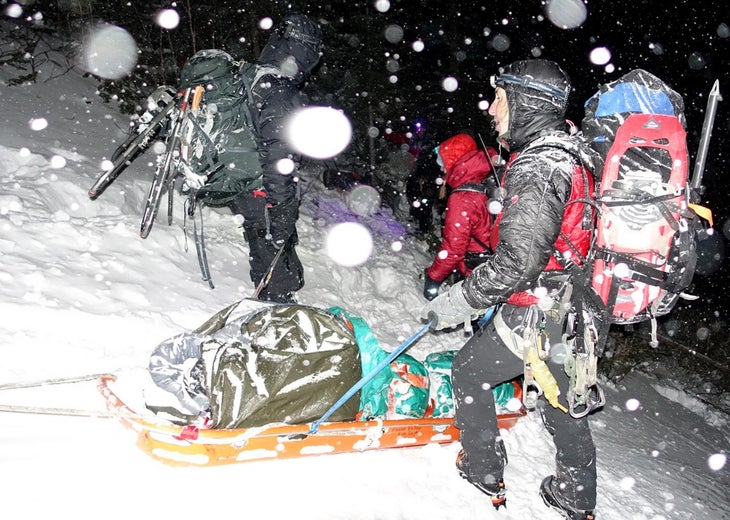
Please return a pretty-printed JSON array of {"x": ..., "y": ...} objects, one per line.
[{"x": 496, "y": 492}]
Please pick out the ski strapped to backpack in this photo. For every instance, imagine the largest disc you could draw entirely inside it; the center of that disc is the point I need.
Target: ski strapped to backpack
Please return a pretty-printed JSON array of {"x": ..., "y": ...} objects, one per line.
[
  {"x": 166, "y": 168},
  {"x": 643, "y": 249},
  {"x": 161, "y": 103}
]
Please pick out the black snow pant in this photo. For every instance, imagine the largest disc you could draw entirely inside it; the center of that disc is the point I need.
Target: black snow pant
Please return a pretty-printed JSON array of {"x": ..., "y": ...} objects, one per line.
[
  {"x": 261, "y": 230},
  {"x": 484, "y": 362}
]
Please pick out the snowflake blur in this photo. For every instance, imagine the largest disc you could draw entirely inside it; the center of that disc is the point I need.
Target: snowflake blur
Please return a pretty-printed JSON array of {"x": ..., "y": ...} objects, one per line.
[
  {"x": 349, "y": 244},
  {"x": 110, "y": 52},
  {"x": 319, "y": 132},
  {"x": 363, "y": 200}
]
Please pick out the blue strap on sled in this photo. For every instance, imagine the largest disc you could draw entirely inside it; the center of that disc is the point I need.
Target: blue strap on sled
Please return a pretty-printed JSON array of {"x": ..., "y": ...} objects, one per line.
[{"x": 374, "y": 372}]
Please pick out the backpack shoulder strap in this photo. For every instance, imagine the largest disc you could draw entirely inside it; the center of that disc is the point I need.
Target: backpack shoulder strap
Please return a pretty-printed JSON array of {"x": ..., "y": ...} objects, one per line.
[
  {"x": 582, "y": 157},
  {"x": 249, "y": 78},
  {"x": 574, "y": 147}
]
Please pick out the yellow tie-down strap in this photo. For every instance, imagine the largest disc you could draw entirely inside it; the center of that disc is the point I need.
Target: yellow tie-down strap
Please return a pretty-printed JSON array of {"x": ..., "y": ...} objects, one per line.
[{"x": 703, "y": 212}]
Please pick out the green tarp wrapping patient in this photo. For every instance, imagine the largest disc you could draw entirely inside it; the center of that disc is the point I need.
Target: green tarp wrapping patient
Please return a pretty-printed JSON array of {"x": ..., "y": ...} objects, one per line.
[{"x": 278, "y": 364}]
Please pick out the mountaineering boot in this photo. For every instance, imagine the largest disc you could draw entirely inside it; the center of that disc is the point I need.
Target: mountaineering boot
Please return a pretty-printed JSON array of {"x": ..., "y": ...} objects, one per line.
[
  {"x": 551, "y": 499},
  {"x": 496, "y": 491}
]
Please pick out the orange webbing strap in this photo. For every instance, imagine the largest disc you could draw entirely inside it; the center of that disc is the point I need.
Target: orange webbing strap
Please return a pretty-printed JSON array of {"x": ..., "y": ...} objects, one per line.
[
  {"x": 703, "y": 212},
  {"x": 197, "y": 96}
]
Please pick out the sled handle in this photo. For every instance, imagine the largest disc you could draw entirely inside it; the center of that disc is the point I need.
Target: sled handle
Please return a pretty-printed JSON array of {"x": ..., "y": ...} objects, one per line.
[{"x": 374, "y": 372}]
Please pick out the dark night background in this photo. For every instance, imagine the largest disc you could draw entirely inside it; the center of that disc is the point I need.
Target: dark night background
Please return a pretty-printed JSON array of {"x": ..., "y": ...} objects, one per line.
[{"x": 686, "y": 43}]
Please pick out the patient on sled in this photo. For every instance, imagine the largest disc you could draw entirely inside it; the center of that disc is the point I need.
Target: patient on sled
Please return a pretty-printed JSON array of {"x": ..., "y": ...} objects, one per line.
[{"x": 252, "y": 365}]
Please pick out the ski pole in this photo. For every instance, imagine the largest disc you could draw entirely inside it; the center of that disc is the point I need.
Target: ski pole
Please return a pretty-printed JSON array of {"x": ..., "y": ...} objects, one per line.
[
  {"x": 432, "y": 320},
  {"x": 269, "y": 272}
]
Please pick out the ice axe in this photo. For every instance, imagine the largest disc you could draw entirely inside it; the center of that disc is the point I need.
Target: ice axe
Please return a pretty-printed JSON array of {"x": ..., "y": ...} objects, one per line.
[{"x": 710, "y": 112}]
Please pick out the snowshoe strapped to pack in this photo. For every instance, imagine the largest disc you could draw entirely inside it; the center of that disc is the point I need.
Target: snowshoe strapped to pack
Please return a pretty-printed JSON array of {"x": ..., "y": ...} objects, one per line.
[{"x": 644, "y": 249}]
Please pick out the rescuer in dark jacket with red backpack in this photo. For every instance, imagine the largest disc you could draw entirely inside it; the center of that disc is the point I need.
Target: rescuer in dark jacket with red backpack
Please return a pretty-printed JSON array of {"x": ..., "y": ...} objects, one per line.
[
  {"x": 537, "y": 234},
  {"x": 467, "y": 222}
]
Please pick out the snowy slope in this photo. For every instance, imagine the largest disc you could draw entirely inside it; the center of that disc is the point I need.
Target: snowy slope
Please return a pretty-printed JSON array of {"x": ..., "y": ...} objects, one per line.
[{"x": 81, "y": 293}]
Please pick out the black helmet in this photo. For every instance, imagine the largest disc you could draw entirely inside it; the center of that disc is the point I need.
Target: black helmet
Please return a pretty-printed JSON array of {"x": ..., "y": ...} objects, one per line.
[
  {"x": 298, "y": 27},
  {"x": 537, "y": 78},
  {"x": 294, "y": 47},
  {"x": 208, "y": 67}
]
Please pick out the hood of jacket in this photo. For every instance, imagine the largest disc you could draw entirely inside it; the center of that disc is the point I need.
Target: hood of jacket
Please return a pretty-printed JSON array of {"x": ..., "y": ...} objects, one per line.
[
  {"x": 469, "y": 168},
  {"x": 454, "y": 148},
  {"x": 464, "y": 163},
  {"x": 537, "y": 97},
  {"x": 294, "y": 48}
]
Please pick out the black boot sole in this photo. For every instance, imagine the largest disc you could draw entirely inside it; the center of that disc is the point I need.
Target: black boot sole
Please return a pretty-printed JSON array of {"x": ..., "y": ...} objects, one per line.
[{"x": 549, "y": 499}]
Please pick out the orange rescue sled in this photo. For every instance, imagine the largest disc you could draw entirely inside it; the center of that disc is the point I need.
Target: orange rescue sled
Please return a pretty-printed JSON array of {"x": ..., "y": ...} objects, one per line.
[{"x": 189, "y": 446}]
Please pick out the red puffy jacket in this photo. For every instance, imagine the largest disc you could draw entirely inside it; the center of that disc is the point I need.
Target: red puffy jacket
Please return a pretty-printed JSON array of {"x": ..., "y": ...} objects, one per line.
[{"x": 467, "y": 222}]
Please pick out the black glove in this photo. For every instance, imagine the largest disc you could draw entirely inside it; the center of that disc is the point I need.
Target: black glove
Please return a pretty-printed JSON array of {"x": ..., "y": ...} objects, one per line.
[
  {"x": 283, "y": 221},
  {"x": 430, "y": 287}
]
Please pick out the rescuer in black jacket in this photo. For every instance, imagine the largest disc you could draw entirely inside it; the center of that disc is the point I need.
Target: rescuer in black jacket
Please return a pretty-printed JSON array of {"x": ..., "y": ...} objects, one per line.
[
  {"x": 270, "y": 214},
  {"x": 536, "y": 235}
]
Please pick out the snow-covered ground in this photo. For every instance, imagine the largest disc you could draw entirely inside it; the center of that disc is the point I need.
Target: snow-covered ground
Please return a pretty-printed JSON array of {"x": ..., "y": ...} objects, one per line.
[{"x": 81, "y": 294}]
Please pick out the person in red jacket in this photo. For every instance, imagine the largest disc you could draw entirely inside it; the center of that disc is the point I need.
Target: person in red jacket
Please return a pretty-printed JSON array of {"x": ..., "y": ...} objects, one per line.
[{"x": 467, "y": 223}]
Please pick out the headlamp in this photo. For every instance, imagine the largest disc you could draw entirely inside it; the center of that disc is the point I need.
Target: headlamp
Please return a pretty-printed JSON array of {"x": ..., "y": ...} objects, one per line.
[{"x": 531, "y": 83}]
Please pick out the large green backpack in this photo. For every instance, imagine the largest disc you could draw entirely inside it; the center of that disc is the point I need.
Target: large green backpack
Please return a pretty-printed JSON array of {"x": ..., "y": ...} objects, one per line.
[{"x": 218, "y": 133}]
